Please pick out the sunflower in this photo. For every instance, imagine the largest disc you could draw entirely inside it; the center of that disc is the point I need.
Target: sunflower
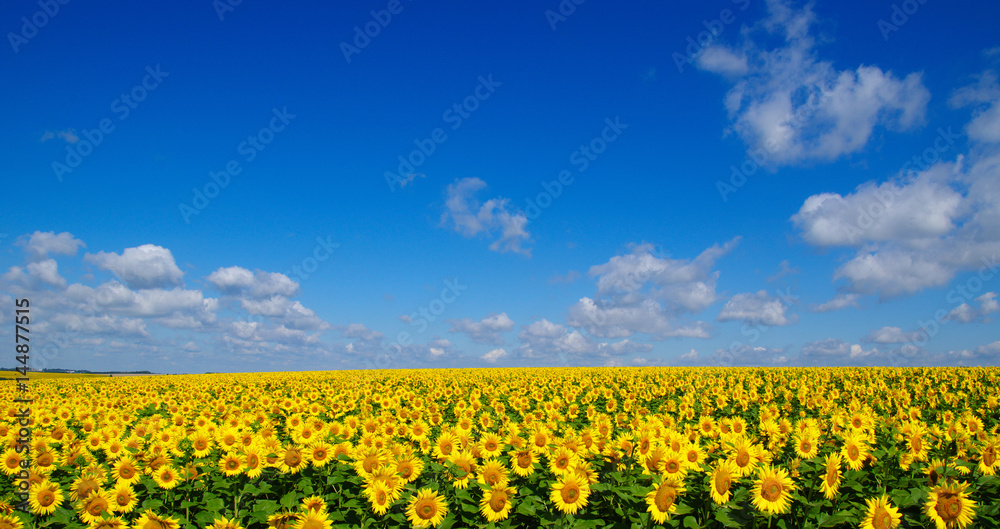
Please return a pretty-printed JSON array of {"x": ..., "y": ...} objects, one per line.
[
  {"x": 855, "y": 451},
  {"x": 493, "y": 474},
  {"x": 496, "y": 504},
  {"x": 231, "y": 464},
  {"x": 743, "y": 456},
  {"x": 570, "y": 493},
  {"x": 314, "y": 503},
  {"x": 831, "y": 479},
  {"x": 491, "y": 445},
  {"x": 292, "y": 460},
  {"x": 254, "y": 462},
  {"x": 113, "y": 522},
  {"x": 805, "y": 446},
  {"x": 772, "y": 490},
  {"x": 694, "y": 456},
  {"x": 282, "y": 520},
  {"x": 674, "y": 464},
  {"x": 561, "y": 461},
  {"x": 9, "y": 521},
  {"x": 126, "y": 470},
  {"x": 149, "y": 520},
  {"x": 524, "y": 462},
  {"x": 988, "y": 460},
  {"x": 409, "y": 468},
  {"x": 464, "y": 464},
  {"x": 380, "y": 498},
  {"x": 445, "y": 445},
  {"x": 83, "y": 486},
  {"x": 202, "y": 443},
  {"x": 881, "y": 514},
  {"x": 123, "y": 498},
  {"x": 11, "y": 462},
  {"x": 662, "y": 500},
  {"x": 44, "y": 497},
  {"x": 313, "y": 520},
  {"x": 225, "y": 523},
  {"x": 949, "y": 506},
  {"x": 166, "y": 477},
  {"x": 425, "y": 508},
  {"x": 319, "y": 454},
  {"x": 723, "y": 476}
]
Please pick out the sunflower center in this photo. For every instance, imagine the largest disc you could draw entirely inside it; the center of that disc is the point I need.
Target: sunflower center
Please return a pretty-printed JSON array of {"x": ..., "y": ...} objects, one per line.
[
  {"x": 498, "y": 500},
  {"x": 127, "y": 472},
  {"x": 916, "y": 443},
  {"x": 570, "y": 493},
  {"x": 692, "y": 456},
  {"x": 47, "y": 498},
  {"x": 831, "y": 477},
  {"x": 806, "y": 446},
  {"x": 665, "y": 497},
  {"x": 425, "y": 511},
  {"x": 722, "y": 483},
  {"x": 853, "y": 452},
  {"x": 989, "y": 457},
  {"x": 771, "y": 490},
  {"x": 672, "y": 466},
  {"x": 524, "y": 460},
  {"x": 948, "y": 507},
  {"x": 743, "y": 458},
  {"x": 491, "y": 446},
  {"x": 882, "y": 519}
]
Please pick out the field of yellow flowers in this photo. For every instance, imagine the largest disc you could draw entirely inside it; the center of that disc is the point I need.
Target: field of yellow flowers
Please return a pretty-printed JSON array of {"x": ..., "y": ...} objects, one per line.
[{"x": 568, "y": 447}]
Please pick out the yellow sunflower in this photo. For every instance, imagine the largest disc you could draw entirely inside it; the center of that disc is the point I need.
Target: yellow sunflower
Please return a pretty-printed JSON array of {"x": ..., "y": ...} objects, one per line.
[
  {"x": 496, "y": 504},
  {"x": 123, "y": 498},
  {"x": 126, "y": 470},
  {"x": 830, "y": 485},
  {"x": 493, "y": 474},
  {"x": 662, "y": 500},
  {"x": 881, "y": 514},
  {"x": 426, "y": 508},
  {"x": 723, "y": 476},
  {"x": 570, "y": 493},
  {"x": 949, "y": 506},
  {"x": 772, "y": 490},
  {"x": 313, "y": 520},
  {"x": 380, "y": 498},
  {"x": 524, "y": 462},
  {"x": 150, "y": 520},
  {"x": 44, "y": 497},
  {"x": 166, "y": 477},
  {"x": 9, "y": 521},
  {"x": 231, "y": 464},
  {"x": 225, "y": 523}
]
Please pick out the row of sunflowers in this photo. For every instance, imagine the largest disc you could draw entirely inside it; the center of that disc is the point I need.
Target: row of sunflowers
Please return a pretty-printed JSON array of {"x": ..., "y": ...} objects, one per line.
[{"x": 568, "y": 448}]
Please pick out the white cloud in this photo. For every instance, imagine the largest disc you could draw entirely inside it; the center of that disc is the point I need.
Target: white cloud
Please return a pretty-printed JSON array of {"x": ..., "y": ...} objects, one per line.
[
  {"x": 469, "y": 217},
  {"x": 47, "y": 271},
  {"x": 799, "y": 108},
  {"x": 988, "y": 303},
  {"x": 909, "y": 209},
  {"x": 966, "y": 313},
  {"x": 759, "y": 308},
  {"x": 834, "y": 351},
  {"x": 40, "y": 244},
  {"x": 642, "y": 292},
  {"x": 985, "y": 96},
  {"x": 238, "y": 281},
  {"x": 146, "y": 266},
  {"x": 68, "y": 135},
  {"x": 928, "y": 226},
  {"x": 494, "y": 356},
  {"x": 893, "y": 335},
  {"x": 839, "y": 302},
  {"x": 544, "y": 340},
  {"x": 485, "y": 331}
]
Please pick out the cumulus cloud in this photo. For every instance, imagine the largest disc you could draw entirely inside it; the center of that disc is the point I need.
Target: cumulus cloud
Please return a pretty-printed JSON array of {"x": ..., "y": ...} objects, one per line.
[
  {"x": 797, "y": 107},
  {"x": 40, "y": 244},
  {"x": 494, "y": 356},
  {"x": 921, "y": 228},
  {"x": 893, "y": 335},
  {"x": 465, "y": 214},
  {"x": 757, "y": 309},
  {"x": 640, "y": 292},
  {"x": 966, "y": 313},
  {"x": 68, "y": 135},
  {"x": 236, "y": 281},
  {"x": 834, "y": 351},
  {"x": 146, "y": 266},
  {"x": 485, "y": 331}
]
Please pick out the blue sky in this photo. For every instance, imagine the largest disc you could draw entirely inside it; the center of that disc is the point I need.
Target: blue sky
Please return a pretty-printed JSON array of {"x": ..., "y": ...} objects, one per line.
[{"x": 205, "y": 187}]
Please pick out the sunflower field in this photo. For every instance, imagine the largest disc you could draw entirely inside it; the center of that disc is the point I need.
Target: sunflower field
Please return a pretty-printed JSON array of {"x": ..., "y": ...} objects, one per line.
[{"x": 553, "y": 448}]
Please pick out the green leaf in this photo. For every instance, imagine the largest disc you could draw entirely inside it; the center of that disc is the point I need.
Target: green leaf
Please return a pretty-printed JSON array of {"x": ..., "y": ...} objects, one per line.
[
  {"x": 215, "y": 505},
  {"x": 691, "y": 523},
  {"x": 288, "y": 500}
]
